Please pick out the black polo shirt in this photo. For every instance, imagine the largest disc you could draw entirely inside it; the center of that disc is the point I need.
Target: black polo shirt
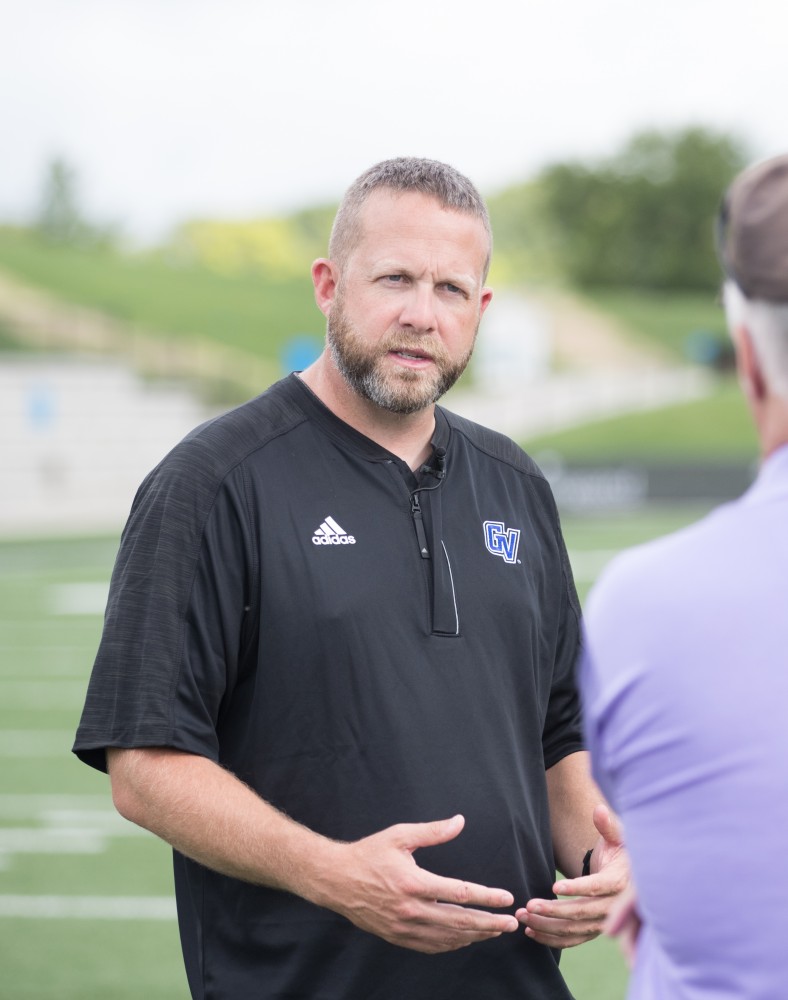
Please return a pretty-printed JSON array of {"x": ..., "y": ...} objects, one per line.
[{"x": 362, "y": 646}]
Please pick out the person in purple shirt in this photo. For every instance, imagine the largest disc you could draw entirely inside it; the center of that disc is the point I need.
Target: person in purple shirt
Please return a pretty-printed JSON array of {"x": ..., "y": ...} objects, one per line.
[{"x": 684, "y": 677}]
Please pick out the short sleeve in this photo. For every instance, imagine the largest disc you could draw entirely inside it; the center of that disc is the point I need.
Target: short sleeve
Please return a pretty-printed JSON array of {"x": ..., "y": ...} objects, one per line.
[{"x": 174, "y": 620}]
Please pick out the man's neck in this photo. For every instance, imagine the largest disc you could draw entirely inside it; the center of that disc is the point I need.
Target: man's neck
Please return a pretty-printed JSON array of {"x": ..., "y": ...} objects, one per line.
[{"x": 408, "y": 436}]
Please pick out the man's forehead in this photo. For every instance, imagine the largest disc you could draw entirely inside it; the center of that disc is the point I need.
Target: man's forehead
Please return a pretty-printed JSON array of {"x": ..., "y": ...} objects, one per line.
[
  {"x": 404, "y": 206},
  {"x": 391, "y": 217}
]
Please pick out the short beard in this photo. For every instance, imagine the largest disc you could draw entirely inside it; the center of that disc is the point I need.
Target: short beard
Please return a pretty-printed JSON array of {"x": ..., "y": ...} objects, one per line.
[{"x": 402, "y": 392}]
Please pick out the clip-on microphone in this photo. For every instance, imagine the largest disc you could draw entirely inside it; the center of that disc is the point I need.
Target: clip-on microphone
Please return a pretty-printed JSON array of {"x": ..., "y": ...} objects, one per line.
[{"x": 439, "y": 458}]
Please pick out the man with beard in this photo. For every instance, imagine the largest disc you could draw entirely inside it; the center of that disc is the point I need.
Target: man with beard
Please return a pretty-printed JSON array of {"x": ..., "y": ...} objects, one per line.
[{"x": 340, "y": 615}]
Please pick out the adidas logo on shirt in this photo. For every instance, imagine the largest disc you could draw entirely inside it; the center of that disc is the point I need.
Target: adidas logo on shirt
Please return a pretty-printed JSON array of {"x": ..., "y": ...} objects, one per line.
[{"x": 330, "y": 533}]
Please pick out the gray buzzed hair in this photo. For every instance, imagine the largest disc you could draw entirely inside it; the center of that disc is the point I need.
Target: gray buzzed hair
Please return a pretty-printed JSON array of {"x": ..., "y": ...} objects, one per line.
[
  {"x": 767, "y": 323},
  {"x": 451, "y": 189}
]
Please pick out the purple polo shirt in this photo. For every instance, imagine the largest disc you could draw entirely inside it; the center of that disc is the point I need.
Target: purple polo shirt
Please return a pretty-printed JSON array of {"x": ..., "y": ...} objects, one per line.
[{"x": 685, "y": 685}]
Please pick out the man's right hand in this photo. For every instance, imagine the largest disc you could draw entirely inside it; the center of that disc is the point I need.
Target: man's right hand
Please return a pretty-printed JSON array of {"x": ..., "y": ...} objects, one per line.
[{"x": 379, "y": 887}]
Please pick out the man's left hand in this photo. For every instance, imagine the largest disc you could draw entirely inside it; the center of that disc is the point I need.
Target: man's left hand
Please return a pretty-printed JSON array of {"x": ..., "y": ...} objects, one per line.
[{"x": 580, "y": 916}]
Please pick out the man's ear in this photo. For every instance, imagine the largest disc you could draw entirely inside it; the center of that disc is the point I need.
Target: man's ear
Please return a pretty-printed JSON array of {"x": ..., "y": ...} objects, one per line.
[
  {"x": 749, "y": 367},
  {"x": 487, "y": 294},
  {"x": 325, "y": 278}
]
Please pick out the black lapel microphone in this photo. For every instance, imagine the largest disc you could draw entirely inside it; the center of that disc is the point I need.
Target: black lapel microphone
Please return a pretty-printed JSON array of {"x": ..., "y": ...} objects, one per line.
[{"x": 439, "y": 468}]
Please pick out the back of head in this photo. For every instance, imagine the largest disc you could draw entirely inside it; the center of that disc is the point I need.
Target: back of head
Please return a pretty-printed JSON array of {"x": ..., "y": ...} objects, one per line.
[
  {"x": 752, "y": 241},
  {"x": 451, "y": 189}
]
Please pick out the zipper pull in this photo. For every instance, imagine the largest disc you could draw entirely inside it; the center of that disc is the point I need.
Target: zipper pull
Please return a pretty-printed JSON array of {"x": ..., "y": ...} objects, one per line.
[{"x": 418, "y": 522}]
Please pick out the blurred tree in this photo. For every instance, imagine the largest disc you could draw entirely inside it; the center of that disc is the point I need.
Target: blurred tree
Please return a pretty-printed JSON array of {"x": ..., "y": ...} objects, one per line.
[
  {"x": 279, "y": 247},
  {"x": 313, "y": 226},
  {"x": 60, "y": 218},
  {"x": 643, "y": 218},
  {"x": 523, "y": 250}
]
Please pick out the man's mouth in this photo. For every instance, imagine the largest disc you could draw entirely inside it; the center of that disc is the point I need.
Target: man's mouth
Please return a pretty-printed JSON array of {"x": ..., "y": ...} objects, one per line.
[{"x": 412, "y": 355}]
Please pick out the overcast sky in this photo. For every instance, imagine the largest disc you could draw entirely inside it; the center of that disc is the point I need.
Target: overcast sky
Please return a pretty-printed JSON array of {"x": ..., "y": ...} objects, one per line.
[{"x": 171, "y": 109}]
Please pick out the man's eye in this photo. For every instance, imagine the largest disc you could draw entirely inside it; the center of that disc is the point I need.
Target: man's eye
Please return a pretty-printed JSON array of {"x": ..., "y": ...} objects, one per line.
[
  {"x": 395, "y": 278},
  {"x": 454, "y": 289}
]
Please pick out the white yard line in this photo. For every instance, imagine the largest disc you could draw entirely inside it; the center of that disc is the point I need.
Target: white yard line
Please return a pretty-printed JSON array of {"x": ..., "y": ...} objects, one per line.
[
  {"x": 17, "y": 664},
  {"x": 36, "y": 742},
  {"x": 18, "y": 805},
  {"x": 88, "y": 907},
  {"x": 12, "y": 625},
  {"x": 78, "y": 598},
  {"x": 31, "y": 840},
  {"x": 41, "y": 695},
  {"x": 40, "y": 647},
  {"x": 60, "y": 824},
  {"x": 43, "y": 571}
]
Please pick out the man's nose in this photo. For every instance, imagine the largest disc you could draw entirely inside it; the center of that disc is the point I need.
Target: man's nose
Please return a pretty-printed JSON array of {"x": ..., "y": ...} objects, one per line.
[{"x": 418, "y": 310}]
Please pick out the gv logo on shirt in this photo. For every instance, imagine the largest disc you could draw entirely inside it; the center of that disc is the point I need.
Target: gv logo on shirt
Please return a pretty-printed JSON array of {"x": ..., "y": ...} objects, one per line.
[{"x": 501, "y": 541}]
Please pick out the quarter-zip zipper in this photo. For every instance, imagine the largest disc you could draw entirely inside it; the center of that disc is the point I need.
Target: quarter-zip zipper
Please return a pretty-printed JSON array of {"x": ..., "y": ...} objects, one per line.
[
  {"x": 418, "y": 523},
  {"x": 445, "y": 617},
  {"x": 443, "y": 609}
]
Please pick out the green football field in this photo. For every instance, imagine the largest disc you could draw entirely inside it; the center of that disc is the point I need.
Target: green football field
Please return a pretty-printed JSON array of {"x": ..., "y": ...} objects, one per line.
[{"x": 86, "y": 910}]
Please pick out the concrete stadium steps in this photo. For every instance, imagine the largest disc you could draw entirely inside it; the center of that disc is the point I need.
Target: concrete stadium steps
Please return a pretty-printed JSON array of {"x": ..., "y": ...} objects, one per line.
[{"x": 78, "y": 436}]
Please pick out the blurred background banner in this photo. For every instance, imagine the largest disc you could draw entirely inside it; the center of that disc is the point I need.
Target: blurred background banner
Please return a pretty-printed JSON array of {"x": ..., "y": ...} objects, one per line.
[{"x": 170, "y": 171}]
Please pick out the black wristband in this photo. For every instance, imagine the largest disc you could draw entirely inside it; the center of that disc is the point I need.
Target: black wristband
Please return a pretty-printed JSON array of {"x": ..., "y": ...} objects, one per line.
[{"x": 587, "y": 862}]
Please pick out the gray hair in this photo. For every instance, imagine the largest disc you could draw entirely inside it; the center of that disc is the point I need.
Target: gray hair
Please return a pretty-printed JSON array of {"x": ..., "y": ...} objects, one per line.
[
  {"x": 767, "y": 324},
  {"x": 450, "y": 188}
]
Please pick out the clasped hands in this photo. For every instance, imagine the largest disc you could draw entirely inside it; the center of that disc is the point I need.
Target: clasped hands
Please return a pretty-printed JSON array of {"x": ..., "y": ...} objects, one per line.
[{"x": 378, "y": 886}]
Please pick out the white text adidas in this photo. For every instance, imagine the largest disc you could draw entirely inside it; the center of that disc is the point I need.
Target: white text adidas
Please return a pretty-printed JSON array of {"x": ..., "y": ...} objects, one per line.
[{"x": 330, "y": 533}]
